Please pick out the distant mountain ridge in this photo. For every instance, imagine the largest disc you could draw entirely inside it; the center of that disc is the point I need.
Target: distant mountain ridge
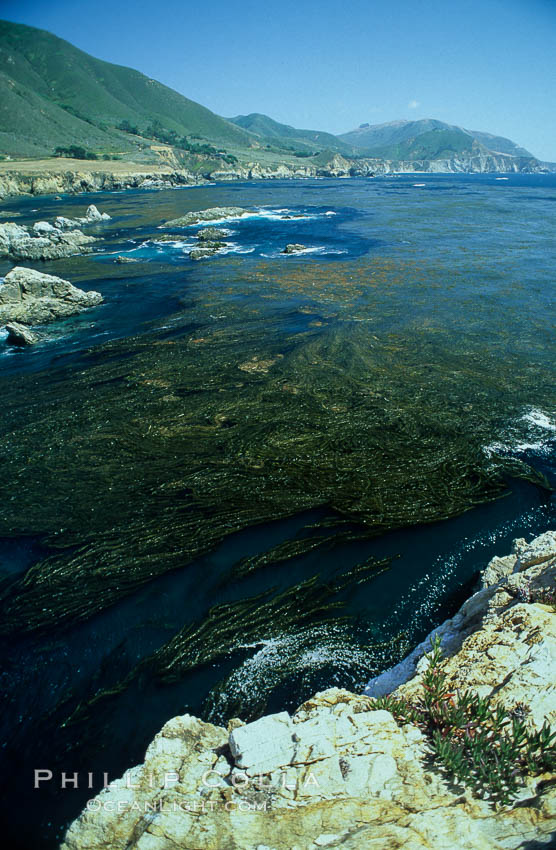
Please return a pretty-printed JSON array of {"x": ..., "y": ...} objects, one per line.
[{"x": 427, "y": 138}]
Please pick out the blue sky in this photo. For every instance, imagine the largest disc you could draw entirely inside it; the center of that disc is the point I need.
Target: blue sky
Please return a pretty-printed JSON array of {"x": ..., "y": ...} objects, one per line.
[{"x": 484, "y": 64}]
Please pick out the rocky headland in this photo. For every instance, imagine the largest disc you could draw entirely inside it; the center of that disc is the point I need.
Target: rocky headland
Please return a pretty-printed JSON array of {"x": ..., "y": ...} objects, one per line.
[{"x": 347, "y": 770}]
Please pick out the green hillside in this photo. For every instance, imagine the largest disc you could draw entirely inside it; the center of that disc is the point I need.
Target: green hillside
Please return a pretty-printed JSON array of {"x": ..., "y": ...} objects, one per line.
[
  {"x": 52, "y": 94},
  {"x": 269, "y": 130}
]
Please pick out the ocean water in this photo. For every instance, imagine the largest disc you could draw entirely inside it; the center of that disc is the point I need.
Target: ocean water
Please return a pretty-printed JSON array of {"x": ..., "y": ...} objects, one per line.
[{"x": 451, "y": 263}]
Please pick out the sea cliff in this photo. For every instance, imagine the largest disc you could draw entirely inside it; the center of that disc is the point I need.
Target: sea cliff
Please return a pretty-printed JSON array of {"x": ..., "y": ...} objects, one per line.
[
  {"x": 50, "y": 177},
  {"x": 344, "y": 771}
]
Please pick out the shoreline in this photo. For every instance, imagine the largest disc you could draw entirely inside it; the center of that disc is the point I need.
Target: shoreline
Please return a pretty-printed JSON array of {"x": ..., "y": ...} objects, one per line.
[
  {"x": 48, "y": 177},
  {"x": 347, "y": 771}
]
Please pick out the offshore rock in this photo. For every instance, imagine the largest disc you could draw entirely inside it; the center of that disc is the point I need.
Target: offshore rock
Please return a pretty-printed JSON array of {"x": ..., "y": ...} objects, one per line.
[
  {"x": 44, "y": 243},
  {"x": 339, "y": 773},
  {"x": 20, "y": 335},
  {"x": 31, "y": 297},
  {"x": 208, "y": 250},
  {"x": 91, "y": 216},
  {"x": 121, "y": 259},
  {"x": 294, "y": 249},
  {"x": 213, "y": 214}
]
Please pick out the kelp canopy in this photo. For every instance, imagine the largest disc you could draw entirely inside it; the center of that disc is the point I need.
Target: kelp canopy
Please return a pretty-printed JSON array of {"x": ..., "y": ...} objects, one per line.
[{"x": 277, "y": 391}]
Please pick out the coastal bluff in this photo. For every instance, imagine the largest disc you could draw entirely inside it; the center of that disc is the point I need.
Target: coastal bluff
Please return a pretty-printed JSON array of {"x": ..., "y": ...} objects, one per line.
[{"x": 342, "y": 772}]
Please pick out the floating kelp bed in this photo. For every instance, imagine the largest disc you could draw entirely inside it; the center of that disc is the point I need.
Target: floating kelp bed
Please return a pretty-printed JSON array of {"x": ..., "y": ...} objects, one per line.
[
  {"x": 134, "y": 467},
  {"x": 337, "y": 400}
]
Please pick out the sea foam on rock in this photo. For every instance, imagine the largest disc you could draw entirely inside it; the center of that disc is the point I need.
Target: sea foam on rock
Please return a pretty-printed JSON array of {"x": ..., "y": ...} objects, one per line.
[
  {"x": 339, "y": 773},
  {"x": 212, "y": 214}
]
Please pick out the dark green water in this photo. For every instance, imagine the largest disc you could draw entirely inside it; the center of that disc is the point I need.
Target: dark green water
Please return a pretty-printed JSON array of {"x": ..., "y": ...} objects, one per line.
[{"x": 362, "y": 426}]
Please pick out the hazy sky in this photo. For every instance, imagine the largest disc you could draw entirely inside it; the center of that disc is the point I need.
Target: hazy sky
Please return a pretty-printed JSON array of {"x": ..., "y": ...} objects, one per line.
[{"x": 484, "y": 64}]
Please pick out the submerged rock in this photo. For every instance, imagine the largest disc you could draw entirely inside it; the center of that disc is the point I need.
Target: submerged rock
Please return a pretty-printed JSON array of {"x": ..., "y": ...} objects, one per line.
[
  {"x": 45, "y": 243},
  {"x": 212, "y": 214},
  {"x": 294, "y": 249},
  {"x": 341, "y": 772},
  {"x": 32, "y": 298},
  {"x": 20, "y": 335}
]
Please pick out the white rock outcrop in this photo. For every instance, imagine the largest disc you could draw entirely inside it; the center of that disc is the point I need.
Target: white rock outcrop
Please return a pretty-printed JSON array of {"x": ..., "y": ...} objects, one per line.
[
  {"x": 341, "y": 774},
  {"x": 92, "y": 215}
]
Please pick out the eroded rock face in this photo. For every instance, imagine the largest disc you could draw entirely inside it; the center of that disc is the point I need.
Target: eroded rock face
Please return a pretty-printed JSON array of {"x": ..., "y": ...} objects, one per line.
[
  {"x": 339, "y": 773},
  {"x": 75, "y": 182},
  {"x": 30, "y": 297},
  {"x": 44, "y": 243},
  {"x": 498, "y": 643}
]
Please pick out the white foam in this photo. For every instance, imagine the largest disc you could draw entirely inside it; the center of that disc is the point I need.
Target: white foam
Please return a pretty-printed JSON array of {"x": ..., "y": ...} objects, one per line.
[
  {"x": 526, "y": 436},
  {"x": 321, "y": 250}
]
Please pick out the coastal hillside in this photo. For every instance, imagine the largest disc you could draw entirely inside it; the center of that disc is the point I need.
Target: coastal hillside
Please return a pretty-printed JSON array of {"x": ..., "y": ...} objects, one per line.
[
  {"x": 57, "y": 101},
  {"x": 309, "y": 140},
  {"x": 427, "y": 139},
  {"x": 54, "y": 95}
]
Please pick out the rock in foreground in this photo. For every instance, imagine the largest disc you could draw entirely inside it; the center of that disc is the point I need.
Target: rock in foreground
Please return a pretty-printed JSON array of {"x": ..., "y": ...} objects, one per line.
[
  {"x": 213, "y": 214},
  {"x": 30, "y": 297},
  {"x": 341, "y": 772}
]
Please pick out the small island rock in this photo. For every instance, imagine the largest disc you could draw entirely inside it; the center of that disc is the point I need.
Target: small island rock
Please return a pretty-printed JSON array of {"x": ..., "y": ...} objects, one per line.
[
  {"x": 294, "y": 249},
  {"x": 212, "y": 214},
  {"x": 210, "y": 234}
]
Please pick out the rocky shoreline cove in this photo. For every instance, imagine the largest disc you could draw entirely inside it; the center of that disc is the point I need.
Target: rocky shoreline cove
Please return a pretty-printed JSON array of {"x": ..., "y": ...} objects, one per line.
[{"x": 343, "y": 771}]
